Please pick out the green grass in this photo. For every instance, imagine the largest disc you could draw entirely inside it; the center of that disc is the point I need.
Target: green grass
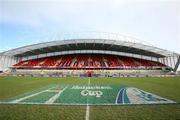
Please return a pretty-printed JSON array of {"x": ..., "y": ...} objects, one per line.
[
  {"x": 41, "y": 112},
  {"x": 165, "y": 87}
]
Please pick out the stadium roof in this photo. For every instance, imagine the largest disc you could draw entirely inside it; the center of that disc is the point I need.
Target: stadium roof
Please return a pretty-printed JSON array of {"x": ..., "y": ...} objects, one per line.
[{"x": 89, "y": 44}]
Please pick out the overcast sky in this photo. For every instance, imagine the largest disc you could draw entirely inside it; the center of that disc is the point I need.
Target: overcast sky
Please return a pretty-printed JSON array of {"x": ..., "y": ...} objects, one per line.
[{"x": 24, "y": 22}]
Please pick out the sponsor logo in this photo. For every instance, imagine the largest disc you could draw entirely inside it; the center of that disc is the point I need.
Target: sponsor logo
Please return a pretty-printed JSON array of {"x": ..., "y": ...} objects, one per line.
[
  {"x": 96, "y": 93},
  {"x": 91, "y": 87}
]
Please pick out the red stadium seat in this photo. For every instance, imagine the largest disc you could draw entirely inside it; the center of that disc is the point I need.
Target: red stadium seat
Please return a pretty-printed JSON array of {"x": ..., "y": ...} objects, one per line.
[{"x": 87, "y": 61}]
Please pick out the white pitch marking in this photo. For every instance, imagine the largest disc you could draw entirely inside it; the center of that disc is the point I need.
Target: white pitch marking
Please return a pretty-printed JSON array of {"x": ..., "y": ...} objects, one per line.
[
  {"x": 52, "y": 90},
  {"x": 87, "y": 112},
  {"x": 53, "y": 98},
  {"x": 26, "y": 97},
  {"x": 89, "y": 81},
  {"x": 87, "y": 106}
]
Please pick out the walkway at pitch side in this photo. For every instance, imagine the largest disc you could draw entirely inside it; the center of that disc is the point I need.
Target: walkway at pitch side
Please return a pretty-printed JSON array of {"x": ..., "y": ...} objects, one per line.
[{"x": 88, "y": 94}]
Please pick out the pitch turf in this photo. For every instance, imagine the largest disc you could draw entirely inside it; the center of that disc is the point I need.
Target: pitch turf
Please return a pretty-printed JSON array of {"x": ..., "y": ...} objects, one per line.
[{"x": 165, "y": 87}]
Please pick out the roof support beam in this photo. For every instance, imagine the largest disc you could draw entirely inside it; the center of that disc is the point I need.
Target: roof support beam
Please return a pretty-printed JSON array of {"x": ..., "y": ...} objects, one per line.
[
  {"x": 110, "y": 46},
  {"x": 68, "y": 45},
  {"x": 50, "y": 48},
  {"x": 103, "y": 43},
  {"x": 177, "y": 64}
]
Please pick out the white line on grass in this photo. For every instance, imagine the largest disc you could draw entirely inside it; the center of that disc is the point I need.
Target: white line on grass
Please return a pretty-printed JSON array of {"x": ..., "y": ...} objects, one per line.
[
  {"x": 53, "y": 98},
  {"x": 87, "y": 112},
  {"x": 26, "y": 97},
  {"x": 87, "y": 105}
]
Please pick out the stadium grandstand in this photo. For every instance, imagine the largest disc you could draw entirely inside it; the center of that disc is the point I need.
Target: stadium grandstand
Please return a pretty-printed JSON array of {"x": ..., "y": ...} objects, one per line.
[{"x": 120, "y": 56}]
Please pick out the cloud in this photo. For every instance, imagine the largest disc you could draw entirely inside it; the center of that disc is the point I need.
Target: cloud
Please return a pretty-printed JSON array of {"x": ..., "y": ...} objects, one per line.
[
  {"x": 144, "y": 19},
  {"x": 32, "y": 12}
]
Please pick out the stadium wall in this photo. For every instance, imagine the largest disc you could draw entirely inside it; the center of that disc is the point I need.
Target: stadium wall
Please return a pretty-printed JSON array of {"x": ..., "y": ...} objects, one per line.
[
  {"x": 83, "y": 73},
  {"x": 7, "y": 61}
]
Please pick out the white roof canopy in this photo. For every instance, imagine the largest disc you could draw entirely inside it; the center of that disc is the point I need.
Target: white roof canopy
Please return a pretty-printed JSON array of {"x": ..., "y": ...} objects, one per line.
[{"x": 89, "y": 44}]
